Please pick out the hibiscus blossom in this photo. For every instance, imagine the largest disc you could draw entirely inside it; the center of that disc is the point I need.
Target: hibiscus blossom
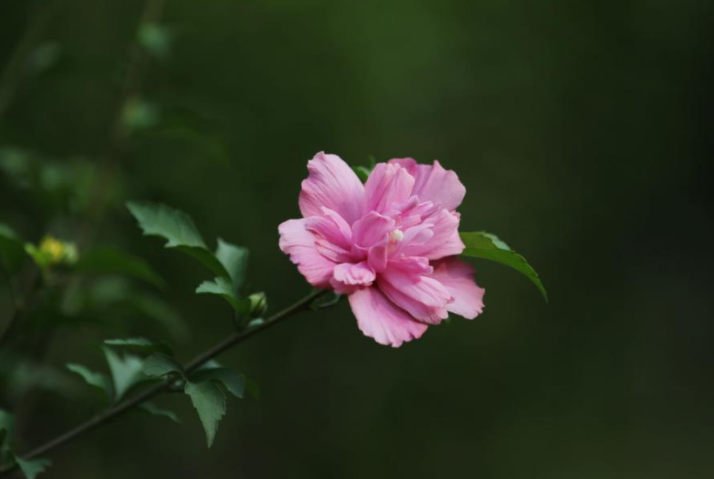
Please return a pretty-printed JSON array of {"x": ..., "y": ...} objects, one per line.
[{"x": 390, "y": 244}]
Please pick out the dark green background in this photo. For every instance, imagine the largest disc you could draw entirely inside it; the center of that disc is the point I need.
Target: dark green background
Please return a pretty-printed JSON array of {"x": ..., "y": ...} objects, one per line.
[{"x": 582, "y": 131}]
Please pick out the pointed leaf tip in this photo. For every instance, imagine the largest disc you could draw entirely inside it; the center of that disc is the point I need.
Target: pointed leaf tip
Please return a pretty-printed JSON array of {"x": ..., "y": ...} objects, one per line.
[
  {"x": 178, "y": 229},
  {"x": 210, "y": 403},
  {"x": 488, "y": 246},
  {"x": 32, "y": 468}
]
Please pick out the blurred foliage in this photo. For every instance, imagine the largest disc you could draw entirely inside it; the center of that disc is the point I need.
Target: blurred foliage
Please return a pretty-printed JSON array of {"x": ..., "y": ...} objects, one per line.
[{"x": 580, "y": 129}]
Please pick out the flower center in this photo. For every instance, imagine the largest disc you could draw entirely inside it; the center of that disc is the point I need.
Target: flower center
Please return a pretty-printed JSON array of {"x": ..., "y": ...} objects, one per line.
[{"x": 394, "y": 238}]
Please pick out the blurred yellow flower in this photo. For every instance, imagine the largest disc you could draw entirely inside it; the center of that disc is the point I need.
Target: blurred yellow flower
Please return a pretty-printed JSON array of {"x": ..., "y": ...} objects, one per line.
[{"x": 52, "y": 251}]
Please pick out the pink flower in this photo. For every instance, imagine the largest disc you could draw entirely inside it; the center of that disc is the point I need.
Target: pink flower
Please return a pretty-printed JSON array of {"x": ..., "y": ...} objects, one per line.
[{"x": 389, "y": 244}]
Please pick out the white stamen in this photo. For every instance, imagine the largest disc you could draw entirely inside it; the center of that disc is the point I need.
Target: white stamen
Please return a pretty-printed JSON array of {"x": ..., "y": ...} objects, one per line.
[{"x": 396, "y": 236}]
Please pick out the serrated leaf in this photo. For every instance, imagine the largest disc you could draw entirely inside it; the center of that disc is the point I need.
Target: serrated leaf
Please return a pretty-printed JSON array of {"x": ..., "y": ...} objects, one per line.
[
  {"x": 159, "y": 365},
  {"x": 210, "y": 403},
  {"x": 140, "y": 345},
  {"x": 178, "y": 229},
  {"x": 151, "y": 408},
  {"x": 32, "y": 468},
  {"x": 233, "y": 381},
  {"x": 235, "y": 260},
  {"x": 94, "y": 379},
  {"x": 12, "y": 250},
  {"x": 224, "y": 288},
  {"x": 487, "y": 246},
  {"x": 127, "y": 371},
  {"x": 105, "y": 260}
]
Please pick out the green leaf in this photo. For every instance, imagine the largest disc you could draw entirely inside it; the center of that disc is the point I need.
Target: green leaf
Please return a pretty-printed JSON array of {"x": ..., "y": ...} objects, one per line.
[
  {"x": 178, "y": 229},
  {"x": 97, "y": 380},
  {"x": 325, "y": 300},
  {"x": 151, "y": 408},
  {"x": 362, "y": 172},
  {"x": 210, "y": 403},
  {"x": 224, "y": 288},
  {"x": 488, "y": 246},
  {"x": 159, "y": 365},
  {"x": 22, "y": 375},
  {"x": 105, "y": 260},
  {"x": 140, "y": 345},
  {"x": 233, "y": 381},
  {"x": 31, "y": 469},
  {"x": 235, "y": 260},
  {"x": 127, "y": 371},
  {"x": 12, "y": 250}
]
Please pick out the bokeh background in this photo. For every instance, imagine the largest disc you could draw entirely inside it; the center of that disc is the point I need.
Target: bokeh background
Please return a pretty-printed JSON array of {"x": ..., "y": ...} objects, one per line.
[{"x": 582, "y": 131}]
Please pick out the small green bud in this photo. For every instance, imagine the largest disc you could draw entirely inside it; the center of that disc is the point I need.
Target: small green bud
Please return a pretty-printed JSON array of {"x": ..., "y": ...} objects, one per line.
[{"x": 258, "y": 304}]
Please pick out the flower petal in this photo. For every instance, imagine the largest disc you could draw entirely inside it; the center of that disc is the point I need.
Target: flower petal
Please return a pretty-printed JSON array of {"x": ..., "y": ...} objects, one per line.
[
  {"x": 379, "y": 318},
  {"x": 444, "y": 240},
  {"x": 347, "y": 277},
  {"x": 299, "y": 243},
  {"x": 405, "y": 283},
  {"x": 458, "y": 278},
  {"x": 333, "y": 236},
  {"x": 434, "y": 183},
  {"x": 372, "y": 229},
  {"x": 331, "y": 184},
  {"x": 387, "y": 184}
]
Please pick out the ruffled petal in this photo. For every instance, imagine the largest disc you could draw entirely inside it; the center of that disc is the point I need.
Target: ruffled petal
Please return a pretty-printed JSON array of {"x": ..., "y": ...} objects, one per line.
[
  {"x": 443, "y": 241},
  {"x": 372, "y": 229},
  {"x": 299, "y": 243},
  {"x": 434, "y": 183},
  {"x": 458, "y": 279},
  {"x": 348, "y": 277},
  {"x": 379, "y": 318},
  {"x": 407, "y": 285},
  {"x": 331, "y": 184},
  {"x": 333, "y": 236},
  {"x": 386, "y": 185}
]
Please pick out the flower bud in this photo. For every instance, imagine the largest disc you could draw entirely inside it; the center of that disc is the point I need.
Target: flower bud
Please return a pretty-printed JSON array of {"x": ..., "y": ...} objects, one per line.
[{"x": 258, "y": 304}]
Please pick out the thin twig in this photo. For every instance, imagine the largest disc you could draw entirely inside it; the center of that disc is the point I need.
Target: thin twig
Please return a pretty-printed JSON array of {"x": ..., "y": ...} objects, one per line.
[{"x": 147, "y": 394}]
